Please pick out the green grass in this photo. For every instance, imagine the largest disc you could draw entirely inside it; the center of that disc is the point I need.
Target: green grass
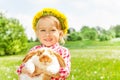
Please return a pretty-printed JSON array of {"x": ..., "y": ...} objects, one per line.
[
  {"x": 92, "y": 44},
  {"x": 90, "y": 64},
  {"x": 8, "y": 66},
  {"x": 94, "y": 61}
]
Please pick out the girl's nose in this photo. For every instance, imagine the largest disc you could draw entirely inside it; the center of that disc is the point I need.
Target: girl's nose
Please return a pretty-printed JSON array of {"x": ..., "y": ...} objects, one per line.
[{"x": 47, "y": 33}]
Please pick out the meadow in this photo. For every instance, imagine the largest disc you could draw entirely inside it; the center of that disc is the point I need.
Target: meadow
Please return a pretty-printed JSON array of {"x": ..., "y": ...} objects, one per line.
[{"x": 90, "y": 60}]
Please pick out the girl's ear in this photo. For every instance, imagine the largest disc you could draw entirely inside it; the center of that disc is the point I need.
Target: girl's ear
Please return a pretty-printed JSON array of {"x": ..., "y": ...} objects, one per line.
[
  {"x": 61, "y": 33},
  {"x": 60, "y": 59},
  {"x": 61, "y": 38}
]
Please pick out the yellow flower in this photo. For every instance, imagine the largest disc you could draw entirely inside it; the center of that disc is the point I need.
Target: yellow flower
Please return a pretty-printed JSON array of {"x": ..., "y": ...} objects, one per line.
[{"x": 53, "y": 12}]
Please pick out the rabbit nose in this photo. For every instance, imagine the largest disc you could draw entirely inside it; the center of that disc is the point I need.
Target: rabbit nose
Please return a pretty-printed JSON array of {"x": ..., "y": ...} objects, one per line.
[{"x": 45, "y": 59}]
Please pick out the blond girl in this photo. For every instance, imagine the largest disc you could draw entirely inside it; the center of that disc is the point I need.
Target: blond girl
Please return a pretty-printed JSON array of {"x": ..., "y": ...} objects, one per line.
[{"x": 50, "y": 27}]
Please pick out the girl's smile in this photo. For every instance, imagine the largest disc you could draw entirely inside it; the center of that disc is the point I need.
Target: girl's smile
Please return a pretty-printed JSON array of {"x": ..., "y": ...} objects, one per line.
[{"x": 48, "y": 40}]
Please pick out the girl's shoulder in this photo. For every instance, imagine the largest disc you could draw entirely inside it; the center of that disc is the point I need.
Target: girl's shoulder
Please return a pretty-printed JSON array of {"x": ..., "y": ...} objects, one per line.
[
  {"x": 35, "y": 47},
  {"x": 63, "y": 50}
]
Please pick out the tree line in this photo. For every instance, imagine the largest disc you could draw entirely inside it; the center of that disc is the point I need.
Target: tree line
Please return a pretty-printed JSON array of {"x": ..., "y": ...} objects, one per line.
[{"x": 95, "y": 33}]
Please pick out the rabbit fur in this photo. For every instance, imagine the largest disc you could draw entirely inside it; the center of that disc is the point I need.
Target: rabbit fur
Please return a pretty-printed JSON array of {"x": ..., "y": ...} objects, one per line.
[{"x": 43, "y": 58}]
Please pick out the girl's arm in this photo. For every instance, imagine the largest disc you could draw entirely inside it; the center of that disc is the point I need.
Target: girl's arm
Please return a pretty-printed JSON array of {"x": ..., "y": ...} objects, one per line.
[{"x": 64, "y": 72}]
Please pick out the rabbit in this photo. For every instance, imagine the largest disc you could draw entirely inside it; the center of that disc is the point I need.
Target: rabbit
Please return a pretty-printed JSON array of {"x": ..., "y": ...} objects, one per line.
[{"x": 43, "y": 58}]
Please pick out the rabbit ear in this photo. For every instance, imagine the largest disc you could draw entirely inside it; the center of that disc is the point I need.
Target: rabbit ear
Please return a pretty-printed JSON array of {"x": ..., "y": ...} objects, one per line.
[
  {"x": 28, "y": 56},
  {"x": 60, "y": 59}
]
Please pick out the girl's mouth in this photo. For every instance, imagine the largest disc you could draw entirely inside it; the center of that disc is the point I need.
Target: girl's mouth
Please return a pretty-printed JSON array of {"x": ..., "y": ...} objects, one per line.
[{"x": 48, "y": 40}]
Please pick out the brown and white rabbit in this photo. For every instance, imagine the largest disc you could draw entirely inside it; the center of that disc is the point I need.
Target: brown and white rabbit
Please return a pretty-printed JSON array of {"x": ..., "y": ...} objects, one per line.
[{"x": 43, "y": 58}]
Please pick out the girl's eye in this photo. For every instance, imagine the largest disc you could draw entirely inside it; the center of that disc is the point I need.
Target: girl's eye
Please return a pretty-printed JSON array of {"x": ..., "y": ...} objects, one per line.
[
  {"x": 53, "y": 30},
  {"x": 42, "y": 30}
]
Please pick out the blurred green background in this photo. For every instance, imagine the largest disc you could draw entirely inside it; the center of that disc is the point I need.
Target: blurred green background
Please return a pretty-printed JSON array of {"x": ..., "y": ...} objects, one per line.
[{"x": 95, "y": 52}]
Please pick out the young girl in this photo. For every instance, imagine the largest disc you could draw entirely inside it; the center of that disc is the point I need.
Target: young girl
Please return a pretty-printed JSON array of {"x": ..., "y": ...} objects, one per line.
[{"x": 50, "y": 26}]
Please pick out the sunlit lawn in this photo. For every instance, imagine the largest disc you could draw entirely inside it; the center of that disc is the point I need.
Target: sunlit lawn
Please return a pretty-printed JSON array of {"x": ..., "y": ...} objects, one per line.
[
  {"x": 87, "y": 64},
  {"x": 90, "y": 64},
  {"x": 8, "y": 66}
]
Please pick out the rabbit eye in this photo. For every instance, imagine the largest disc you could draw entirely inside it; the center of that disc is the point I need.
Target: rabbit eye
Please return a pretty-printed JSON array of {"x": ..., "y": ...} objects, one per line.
[{"x": 39, "y": 52}]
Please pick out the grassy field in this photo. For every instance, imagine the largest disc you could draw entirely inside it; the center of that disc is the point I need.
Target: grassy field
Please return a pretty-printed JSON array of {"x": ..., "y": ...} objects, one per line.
[
  {"x": 90, "y": 61},
  {"x": 90, "y": 64}
]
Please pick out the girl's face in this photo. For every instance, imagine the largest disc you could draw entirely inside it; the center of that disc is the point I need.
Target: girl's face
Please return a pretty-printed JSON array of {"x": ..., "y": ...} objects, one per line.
[{"x": 47, "y": 32}]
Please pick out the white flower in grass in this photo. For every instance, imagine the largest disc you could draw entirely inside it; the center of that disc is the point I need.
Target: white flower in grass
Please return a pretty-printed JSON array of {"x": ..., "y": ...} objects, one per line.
[
  {"x": 102, "y": 77},
  {"x": 114, "y": 61},
  {"x": 73, "y": 78},
  {"x": 14, "y": 79},
  {"x": 95, "y": 72},
  {"x": 8, "y": 77}
]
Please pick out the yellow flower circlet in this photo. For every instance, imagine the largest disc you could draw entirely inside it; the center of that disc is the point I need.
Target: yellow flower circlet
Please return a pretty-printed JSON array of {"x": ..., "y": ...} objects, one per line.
[{"x": 52, "y": 12}]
